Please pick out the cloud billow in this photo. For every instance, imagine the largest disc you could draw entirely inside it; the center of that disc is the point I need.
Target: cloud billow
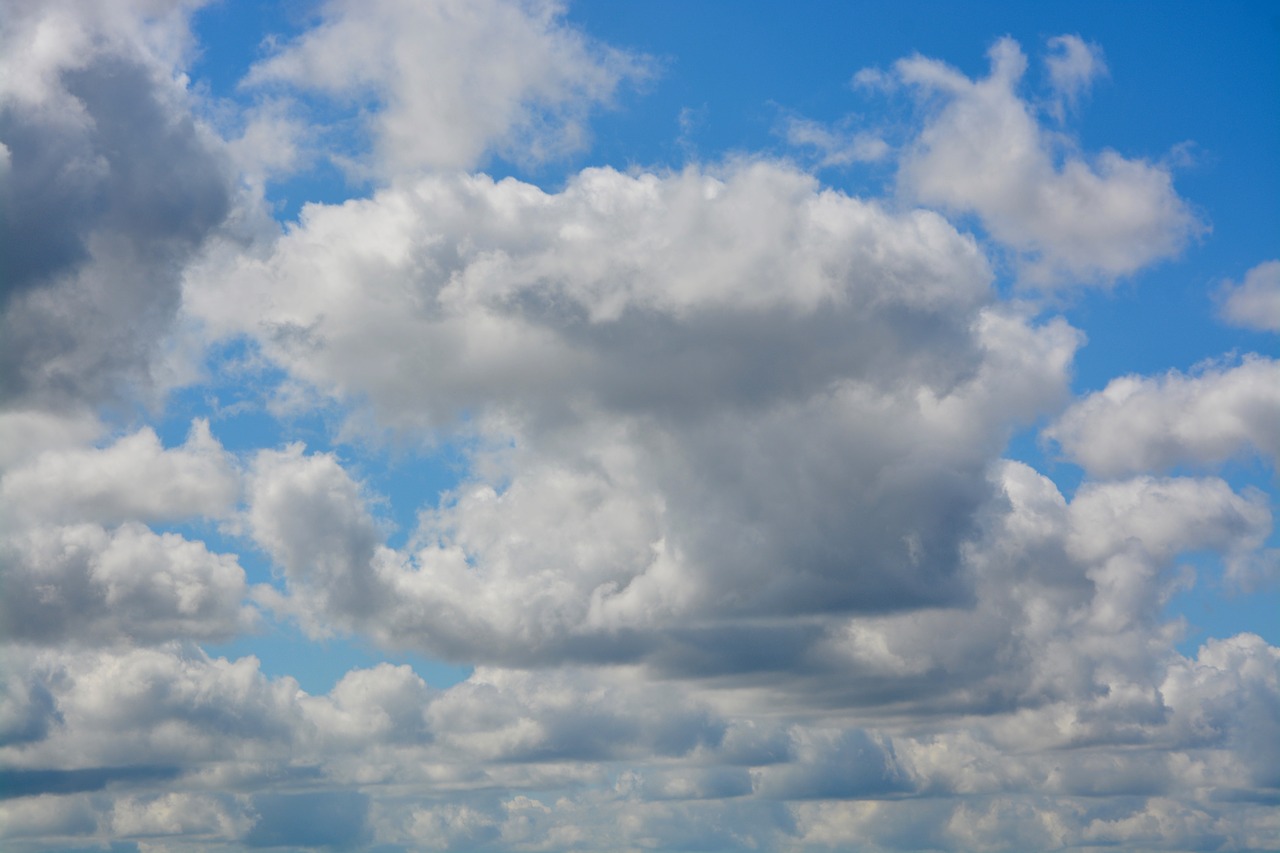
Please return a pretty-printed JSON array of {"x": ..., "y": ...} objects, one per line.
[{"x": 731, "y": 551}]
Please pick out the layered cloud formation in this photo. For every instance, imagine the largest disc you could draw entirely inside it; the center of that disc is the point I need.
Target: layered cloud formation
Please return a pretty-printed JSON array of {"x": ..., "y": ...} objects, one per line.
[{"x": 732, "y": 545}]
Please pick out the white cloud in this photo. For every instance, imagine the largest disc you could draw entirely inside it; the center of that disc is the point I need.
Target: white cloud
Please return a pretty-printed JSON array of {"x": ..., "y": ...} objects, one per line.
[
  {"x": 694, "y": 380},
  {"x": 133, "y": 479},
  {"x": 834, "y": 147},
  {"x": 1067, "y": 217},
  {"x": 733, "y": 545},
  {"x": 1073, "y": 65},
  {"x": 1255, "y": 302},
  {"x": 1155, "y": 424},
  {"x": 456, "y": 80},
  {"x": 84, "y": 584},
  {"x": 25, "y": 434}
]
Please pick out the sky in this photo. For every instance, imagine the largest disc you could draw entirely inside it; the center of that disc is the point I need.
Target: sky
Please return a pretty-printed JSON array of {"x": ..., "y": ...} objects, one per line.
[{"x": 524, "y": 426}]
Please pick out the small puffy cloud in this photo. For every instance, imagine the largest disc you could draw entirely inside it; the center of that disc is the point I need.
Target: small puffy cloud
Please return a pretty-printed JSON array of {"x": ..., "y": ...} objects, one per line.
[
  {"x": 1154, "y": 424},
  {"x": 455, "y": 80},
  {"x": 1255, "y": 302},
  {"x": 136, "y": 478},
  {"x": 1068, "y": 218}
]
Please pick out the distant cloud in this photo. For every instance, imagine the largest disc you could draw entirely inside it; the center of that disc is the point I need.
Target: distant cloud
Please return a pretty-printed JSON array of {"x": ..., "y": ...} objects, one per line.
[
  {"x": 455, "y": 81},
  {"x": 1076, "y": 221},
  {"x": 833, "y": 147},
  {"x": 1255, "y": 302},
  {"x": 1139, "y": 424}
]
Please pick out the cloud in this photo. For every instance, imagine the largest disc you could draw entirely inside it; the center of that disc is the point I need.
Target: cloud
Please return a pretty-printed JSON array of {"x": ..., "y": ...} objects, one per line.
[
  {"x": 455, "y": 81},
  {"x": 133, "y": 479},
  {"x": 81, "y": 567},
  {"x": 833, "y": 147},
  {"x": 1073, "y": 64},
  {"x": 1068, "y": 218},
  {"x": 1255, "y": 302},
  {"x": 732, "y": 546},
  {"x": 111, "y": 186},
  {"x": 578, "y": 746},
  {"x": 83, "y": 584},
  {"x": 1159, "y": 423},
  {"x": 703, "y": 383}
]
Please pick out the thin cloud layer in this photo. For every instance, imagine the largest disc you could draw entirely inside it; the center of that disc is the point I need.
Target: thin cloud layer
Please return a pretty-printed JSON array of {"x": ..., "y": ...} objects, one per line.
[{"x": 730, "y": 549}]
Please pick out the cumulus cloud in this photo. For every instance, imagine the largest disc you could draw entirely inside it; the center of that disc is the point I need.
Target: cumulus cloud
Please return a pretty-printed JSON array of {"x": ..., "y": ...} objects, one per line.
[
  {"x": 733, "y": 396},
  {"x": 111, "y": 186},
  {"x": 732, "y": 546},
  {"x": 1068, "y": 217},
  {"x": 81, "y": 567},
  {"x": 135, "y": 478},
  {"x": 578, "y": 746},
  {"x": 454, "y": 81},
  {"x": 1159, "y": 423},
  {"x": 1255, "y": 302},
  {"x": 87, "y": 584}
]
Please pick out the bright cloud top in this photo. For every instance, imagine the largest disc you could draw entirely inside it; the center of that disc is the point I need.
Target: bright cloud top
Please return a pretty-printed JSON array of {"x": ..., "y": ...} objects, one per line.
[{"x": 744, "y": 542}]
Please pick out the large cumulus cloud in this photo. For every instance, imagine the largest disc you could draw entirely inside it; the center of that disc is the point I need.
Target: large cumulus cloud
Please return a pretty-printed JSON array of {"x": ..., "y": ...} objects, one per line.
[{"x": 733, "y": 396}]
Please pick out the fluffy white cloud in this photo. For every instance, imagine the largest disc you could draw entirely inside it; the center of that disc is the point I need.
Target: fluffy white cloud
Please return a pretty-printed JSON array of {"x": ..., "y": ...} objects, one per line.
[
  {"x": 80, "y": 567},
  {"x": 25, "y": 434},
  {"x": 1255, "y": 302},
  {"x": 453, "y": 80},
  {"x": 85, "y": 584},
  {"x": 1068, "y": 217},
  {"x": 732, "y": 543},
  {"x": 604, "y": 759},
  {"x": 1155, "y": 424},
  {"x": 701, "y": 384},
  {"x": 133, "y": 479}
]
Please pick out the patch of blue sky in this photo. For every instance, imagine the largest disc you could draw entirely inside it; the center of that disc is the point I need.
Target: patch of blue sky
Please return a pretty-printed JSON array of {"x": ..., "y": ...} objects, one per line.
[
  {"x": 240, "y": 395},
  {"x": 244, "y": 33},
  {"x": 283, "y": 649}
]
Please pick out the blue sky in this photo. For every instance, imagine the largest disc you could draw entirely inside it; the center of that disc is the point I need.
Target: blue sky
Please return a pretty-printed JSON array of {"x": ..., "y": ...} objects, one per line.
[{"x": 523, "y": 426}]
